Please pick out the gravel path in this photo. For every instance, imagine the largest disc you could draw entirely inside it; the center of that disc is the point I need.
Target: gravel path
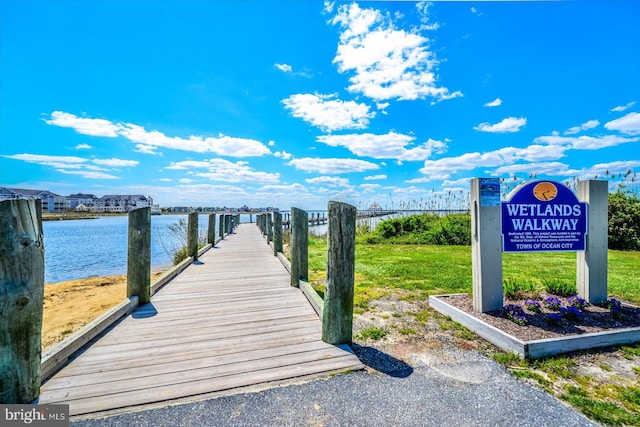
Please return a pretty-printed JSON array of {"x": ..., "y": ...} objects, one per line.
[{"x": 453, "y": 388}]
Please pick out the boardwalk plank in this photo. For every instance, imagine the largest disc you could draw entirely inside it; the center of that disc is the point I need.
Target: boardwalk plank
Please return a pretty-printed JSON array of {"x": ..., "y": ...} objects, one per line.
[{"x": 231, "y": 320}]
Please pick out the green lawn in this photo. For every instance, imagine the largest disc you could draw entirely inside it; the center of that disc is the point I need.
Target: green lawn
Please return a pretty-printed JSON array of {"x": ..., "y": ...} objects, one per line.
[{"x": 432, "y": 270}]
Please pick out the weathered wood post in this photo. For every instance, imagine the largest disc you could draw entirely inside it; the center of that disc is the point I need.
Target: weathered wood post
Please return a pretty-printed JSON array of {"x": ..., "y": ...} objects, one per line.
[
  {"x": 299, "y": 246},
  {"x": 211, "y": 231},
  {"x": 221, "y": 226},
  {"x": 269, "y": 228},
  {"x": 486, "y": 250},
  {"x": 592, "y": 264},
  {"x": 337, "y": 315},
  {"x": 277, "y": 233},
  {"x": 21, "y": 300},
  {"x": 227, "y": 224},
  {"x": 192, "y": 236},
  {"x": 139, "y": 255}
]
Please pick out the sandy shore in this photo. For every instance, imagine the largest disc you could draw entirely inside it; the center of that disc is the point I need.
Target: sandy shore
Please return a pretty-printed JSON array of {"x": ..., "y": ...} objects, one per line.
[{"x": 70, "y": 305}]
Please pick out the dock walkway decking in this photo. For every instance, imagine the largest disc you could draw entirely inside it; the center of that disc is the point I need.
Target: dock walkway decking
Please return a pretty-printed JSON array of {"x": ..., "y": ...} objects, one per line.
[{"x": 231, "y": 320}]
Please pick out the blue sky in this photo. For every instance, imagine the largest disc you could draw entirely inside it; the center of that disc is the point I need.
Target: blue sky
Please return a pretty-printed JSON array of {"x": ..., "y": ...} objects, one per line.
[{"x": 294, "y": 103}]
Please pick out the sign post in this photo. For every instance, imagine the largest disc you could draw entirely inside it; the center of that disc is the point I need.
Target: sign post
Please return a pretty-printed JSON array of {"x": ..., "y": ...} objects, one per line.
[
  {"x": 591, "y": 265},
  {"x": 486, "y": 246}
]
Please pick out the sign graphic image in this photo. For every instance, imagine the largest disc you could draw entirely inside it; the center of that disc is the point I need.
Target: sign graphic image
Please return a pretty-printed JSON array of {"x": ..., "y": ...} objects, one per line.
[{"x": 543, "y": 216}]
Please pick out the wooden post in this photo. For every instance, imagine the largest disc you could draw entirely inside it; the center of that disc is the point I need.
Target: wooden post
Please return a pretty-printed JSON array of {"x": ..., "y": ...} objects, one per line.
[
  {"x": 221, "y": 227},
  {"x": 139, "y": 255},
  {"x": 486, "y": 251},
  {"x": 211, "y": 230},
  {"x": 192, "y": 236},
  {"x": 21, "y": 300},
  {"x": 299, "y": 246},
  {"x": 592, "y": 264},
  {"x": 269, "y": 228},
  {"x": 337, "y": 315},
  {"x": 227, "y": 223},
  {"x": 277, "y": 233}
]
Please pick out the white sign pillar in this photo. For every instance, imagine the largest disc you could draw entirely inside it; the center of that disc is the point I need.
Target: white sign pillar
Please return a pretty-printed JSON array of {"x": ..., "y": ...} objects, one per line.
[
  {"x": 592, "y": 263},
  {"x": 486, "y": 245}
]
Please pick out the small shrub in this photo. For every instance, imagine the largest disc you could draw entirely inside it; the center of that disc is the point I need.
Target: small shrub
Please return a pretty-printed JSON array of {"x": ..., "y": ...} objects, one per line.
[
  {"x": 533, "y": 306},
  {"x": 514, "y": 313},
  {"x": 559, "y": 287},
  {"x": 373, "y": 333},
  {"x": 552, "y": 303},
  {"x": 571, "y": 313},
  {"x": 577, "y": 302},
  {"x": 515, "y": 288}
]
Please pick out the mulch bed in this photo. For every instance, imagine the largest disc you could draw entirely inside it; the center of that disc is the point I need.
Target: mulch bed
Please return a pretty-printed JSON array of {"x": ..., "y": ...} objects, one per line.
[{"x": 539, "y": 326}]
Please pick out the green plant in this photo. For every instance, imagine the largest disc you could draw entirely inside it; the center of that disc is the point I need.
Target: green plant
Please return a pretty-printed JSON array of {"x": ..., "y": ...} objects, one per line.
[
  {"x": 560, "y": 287},
  {"x": 373, "y": 333},
  {"x": 517, "y": 288},
  {"x": 624, "y": 221}
]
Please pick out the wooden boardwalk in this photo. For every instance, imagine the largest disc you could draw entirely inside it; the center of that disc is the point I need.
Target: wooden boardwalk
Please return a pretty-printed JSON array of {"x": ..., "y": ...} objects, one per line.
[{"x": 229, "y": 321}]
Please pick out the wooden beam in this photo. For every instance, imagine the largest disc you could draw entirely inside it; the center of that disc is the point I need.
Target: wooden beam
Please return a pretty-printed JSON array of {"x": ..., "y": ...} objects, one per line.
[{"x": 21, "y": 299}]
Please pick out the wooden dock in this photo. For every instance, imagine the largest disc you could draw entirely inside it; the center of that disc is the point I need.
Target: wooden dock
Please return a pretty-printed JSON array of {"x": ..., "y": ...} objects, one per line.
[{"x": 230, "y": 321}]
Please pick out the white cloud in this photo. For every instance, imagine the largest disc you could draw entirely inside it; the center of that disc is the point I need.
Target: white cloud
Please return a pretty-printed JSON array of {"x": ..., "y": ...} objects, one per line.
[
  {"x": 386, "y": 62},
  {"x": 271, "y": 143},
  {"x": 283, "y": 155},
  {"x": 624, "y": 107},
  {"x": 116, "y": 163},
  {"x": 584, "y": 126},
  {"x": 369, "y": 188},
  {"x": 85, "y": 126},
  {"x": 83, "y": 147},
  {"x": 147, "y": 149},
  {"x": 584, "y": 142},
  {"x": 224, "y": 171},
  {"x": 88, "y": 174},
  {"x": 72, "y": 165},
  {"x": 495, "y": 103},
  {"x": 331, "y": 181},
  {"x": 284, "y": 67},
  {"x": 328, "y": 113},
  {"x": 332, "y": 166},
  {"x": 375, "y": 177},
  {"x": 390, "y": 146},
  {"x": 145, "y": 140},
  {"x": 508, "y": 125},
  {"x": 629, "y": 124}
]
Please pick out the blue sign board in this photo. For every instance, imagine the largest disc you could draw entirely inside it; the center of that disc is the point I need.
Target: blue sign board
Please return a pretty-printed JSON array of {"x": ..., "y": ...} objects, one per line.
[{"x": 543, "y": 216}]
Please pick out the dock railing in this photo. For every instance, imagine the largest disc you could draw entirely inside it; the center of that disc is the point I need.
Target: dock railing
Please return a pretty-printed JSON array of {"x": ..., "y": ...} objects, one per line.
[
  {"x": 23, "y": 365},
  {"x": 336, "y": 308}
]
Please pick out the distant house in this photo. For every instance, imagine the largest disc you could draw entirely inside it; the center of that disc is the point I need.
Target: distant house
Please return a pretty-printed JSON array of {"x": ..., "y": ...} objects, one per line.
[
  {"x": 122, "y": 203},
  {"x": 87, "y": 200},
  {"x": 51, "y": 202}
]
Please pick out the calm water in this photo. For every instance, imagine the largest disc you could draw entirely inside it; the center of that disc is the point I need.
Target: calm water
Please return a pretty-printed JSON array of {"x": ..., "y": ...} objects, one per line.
[{"x": 98, "y": 247}]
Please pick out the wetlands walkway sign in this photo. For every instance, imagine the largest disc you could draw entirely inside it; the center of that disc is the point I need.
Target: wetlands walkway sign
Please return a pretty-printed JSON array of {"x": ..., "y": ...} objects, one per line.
[
  {"x": 538, "y": 216},
  {"x": 543, "y": 216}
]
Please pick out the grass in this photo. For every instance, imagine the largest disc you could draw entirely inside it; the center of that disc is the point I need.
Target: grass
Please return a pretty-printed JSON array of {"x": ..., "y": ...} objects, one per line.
[
  {"x": 373, "y": 333},
  {"x": 614, "y": 402}
]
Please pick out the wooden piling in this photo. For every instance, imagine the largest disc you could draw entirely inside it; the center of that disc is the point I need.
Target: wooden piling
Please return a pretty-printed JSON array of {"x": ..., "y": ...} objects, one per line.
[
  {"x": 211, "y": 230},
  {"x": 192, "y": 235},
  {"x": 337, "y": 319},
  {"x": 299, "y": 246},
  {"x": 139, "y": 255},
  {"x": 221, "y": 227},
  {"x": 269, "y": 228},
  {"x": 277, "y": 233},
  {"x": 21, "y": 300}
]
